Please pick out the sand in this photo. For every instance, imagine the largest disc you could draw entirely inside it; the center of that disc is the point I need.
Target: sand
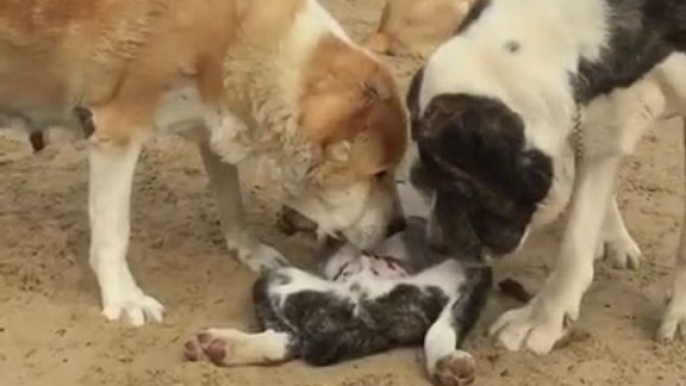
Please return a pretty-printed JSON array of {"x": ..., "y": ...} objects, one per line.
[{"x": 51, "y": 332}]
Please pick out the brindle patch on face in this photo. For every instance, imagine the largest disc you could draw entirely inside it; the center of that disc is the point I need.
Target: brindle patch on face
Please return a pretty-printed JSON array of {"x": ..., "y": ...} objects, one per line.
[{"x": 485, "y": 183}]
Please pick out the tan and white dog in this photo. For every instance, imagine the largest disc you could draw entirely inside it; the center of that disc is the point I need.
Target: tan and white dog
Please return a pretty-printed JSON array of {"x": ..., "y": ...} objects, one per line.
[
  {"x": 276, "y": 79},
  {"x": 417, "y": 26}
]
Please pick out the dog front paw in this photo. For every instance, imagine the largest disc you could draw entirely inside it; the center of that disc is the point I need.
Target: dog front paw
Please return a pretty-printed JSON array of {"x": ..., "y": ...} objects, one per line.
[
  {"x": 536, "y": 327},
  {"x": 674, "y": 320},
  {"x": 133, "y": 305},
  {"x": 621, "y": 253},
  {"x": 257, "y": 256}
]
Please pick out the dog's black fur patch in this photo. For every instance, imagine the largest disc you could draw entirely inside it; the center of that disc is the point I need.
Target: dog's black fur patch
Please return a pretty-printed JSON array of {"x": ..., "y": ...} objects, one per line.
[
  {"x": 475, "y": 11},
  {"x": 486, "y": 184},
  {"x": 472, "y": 155},
  {"x": 643, "y": 33},
  {"x": 326, "y": 329}
]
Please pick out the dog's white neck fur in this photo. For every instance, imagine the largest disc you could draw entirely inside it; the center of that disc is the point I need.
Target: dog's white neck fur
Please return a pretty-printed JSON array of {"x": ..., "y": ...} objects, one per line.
[
  {"x": 260, "y": 116},
  {"x": 534, "y": 80}
]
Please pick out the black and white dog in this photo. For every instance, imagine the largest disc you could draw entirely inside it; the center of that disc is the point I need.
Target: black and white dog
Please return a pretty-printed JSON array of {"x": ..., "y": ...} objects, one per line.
[
  {"x": 360, "y": 304},
  {"x": 529, "y": 110}
]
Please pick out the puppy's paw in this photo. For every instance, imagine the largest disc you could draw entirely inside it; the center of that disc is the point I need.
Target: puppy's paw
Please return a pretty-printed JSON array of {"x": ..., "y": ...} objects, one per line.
[
  {"x": 133, "y": 305},
  {"x": 620, "y": 252},
  {"x": 456, "y": 369},
  {"x": 536, "y": 326},
  {"x": 207, "y": 346},
  {"x": 674, "y": 320}
]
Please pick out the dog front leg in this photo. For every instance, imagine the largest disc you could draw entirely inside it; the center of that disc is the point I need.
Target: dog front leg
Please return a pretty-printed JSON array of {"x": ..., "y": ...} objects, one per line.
[
  {"x": 112, "y": 164},
  {"x": 541, "y": 323},
  {"x": 674, "y": 319},
  {"x": 615, "y": 125},
  {"x": 225, "y": 183}
]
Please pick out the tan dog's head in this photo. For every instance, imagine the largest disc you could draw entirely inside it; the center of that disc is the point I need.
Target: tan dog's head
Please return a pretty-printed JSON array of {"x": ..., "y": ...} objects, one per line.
[{"x": 352, "y": 115}]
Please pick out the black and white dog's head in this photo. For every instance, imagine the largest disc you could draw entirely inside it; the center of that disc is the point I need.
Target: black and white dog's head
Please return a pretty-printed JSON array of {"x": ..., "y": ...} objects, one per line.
[
  {"x": 484, "y": 183},
  {"x": 494, "y": 108}
]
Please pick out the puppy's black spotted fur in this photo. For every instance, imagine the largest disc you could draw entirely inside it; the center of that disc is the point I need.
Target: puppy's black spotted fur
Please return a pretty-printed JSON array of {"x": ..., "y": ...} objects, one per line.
[{"x": 360, "y": 304}]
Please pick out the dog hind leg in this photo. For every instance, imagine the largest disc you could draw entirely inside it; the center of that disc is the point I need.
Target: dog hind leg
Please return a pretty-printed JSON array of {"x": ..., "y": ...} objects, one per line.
[
  {"x": 616, "y": 244},
  {"x": 674, "y": 320}
]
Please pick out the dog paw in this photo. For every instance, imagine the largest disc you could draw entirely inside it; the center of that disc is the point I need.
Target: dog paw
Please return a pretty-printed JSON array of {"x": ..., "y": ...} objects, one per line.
[
  {"x": 535, "y": 327},
  {"x": 135, "y": 306},
  {"x": 206, "y": 346},
  {"x": 456, "y": 369},
  {"x": 621, "y": 253},
  {"x": 674, "y": 321},
  {"x": 261, "y": 258}
]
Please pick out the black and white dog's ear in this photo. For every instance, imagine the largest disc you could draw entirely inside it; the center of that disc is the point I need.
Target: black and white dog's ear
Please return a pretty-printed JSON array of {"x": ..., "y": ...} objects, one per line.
[
  {"x": 483, "y": 139},
  {"x": 412, "y": 101},
  {"x": 537, "y": 175}
]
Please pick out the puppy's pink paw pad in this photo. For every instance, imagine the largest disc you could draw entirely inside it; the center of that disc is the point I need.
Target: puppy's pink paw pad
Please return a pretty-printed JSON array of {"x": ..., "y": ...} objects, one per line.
[
  {"x": 456, "y": 369},
  {"x": 192, "y": 350},
  {"x": 206, "y": 346}
]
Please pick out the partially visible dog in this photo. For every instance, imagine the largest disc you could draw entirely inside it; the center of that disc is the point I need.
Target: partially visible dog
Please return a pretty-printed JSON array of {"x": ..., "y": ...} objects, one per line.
[
  {"x": 276, "y": 79},
  {"x": 532, "y": 107},
  {"x": 360, "y": 304},
  {"x": 417, "y": 27}
]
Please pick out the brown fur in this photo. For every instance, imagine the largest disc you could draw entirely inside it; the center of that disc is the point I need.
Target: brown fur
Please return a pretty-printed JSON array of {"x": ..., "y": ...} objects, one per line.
[
  {"x": 117, "y": 57},
  {"x": 417, "y": 26},
  {"x": 347, "y": 97}
]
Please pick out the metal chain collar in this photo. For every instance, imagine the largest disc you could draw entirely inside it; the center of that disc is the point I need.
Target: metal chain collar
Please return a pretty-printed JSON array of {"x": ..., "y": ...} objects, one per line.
[{"x": 577, "y": 136}]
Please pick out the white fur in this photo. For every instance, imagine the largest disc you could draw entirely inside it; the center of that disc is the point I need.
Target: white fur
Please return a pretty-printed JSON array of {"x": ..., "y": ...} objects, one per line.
[
  {"x": 111, "y": 177},
  {"x": 244, "y": 348},
  {"x": 440, "y": 340},
  {"x": 259, "y": 118},
  {"x": 477, "y": 62},
  {"x": 613, "y": 125}
]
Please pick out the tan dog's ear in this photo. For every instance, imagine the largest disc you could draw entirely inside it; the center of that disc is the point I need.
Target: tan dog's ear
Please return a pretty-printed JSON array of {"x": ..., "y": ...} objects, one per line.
[{"x": 374, "y": 90}]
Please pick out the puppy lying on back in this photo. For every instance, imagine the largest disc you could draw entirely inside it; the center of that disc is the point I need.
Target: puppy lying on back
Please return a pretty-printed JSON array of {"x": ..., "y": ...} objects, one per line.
[
  {"x": 277, "y": 80},
  {"x": 417, "y": 26},
  {"x": 360, "y": 304}
]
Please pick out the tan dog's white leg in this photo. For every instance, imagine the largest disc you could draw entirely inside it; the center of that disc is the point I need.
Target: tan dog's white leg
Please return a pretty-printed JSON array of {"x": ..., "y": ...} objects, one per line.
[
  {"x": 112, "y": 169},
  {"x": 225, "y": 184},
  {"x": 616, "y": 244},
  {"x": 674, "y": 320}
]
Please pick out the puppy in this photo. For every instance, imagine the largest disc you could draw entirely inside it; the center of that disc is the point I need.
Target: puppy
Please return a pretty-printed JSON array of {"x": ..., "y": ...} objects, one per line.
[
  {"x": 361, "y": 304},
  {"x": 529, "y": 110},
  {"x": 272, "y": 79},
  {"x": 417, "y": 26}
]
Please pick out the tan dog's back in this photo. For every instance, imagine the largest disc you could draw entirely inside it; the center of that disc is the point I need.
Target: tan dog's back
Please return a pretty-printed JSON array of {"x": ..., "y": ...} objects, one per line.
[
  {"x": 417, "y": 26},
  {"x": 56, "y": 54}
]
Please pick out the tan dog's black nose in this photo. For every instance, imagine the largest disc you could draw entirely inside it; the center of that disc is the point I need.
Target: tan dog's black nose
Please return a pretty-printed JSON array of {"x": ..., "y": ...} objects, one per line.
[{"x": 397, "y": 225}]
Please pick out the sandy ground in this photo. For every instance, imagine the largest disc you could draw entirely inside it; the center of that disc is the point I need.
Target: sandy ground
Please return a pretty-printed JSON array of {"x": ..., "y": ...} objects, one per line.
[{"x": 51, "y": 332}]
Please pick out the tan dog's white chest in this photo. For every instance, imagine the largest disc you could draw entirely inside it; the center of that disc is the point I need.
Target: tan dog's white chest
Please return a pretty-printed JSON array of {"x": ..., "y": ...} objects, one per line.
[{"x": 182, "y": 112}]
